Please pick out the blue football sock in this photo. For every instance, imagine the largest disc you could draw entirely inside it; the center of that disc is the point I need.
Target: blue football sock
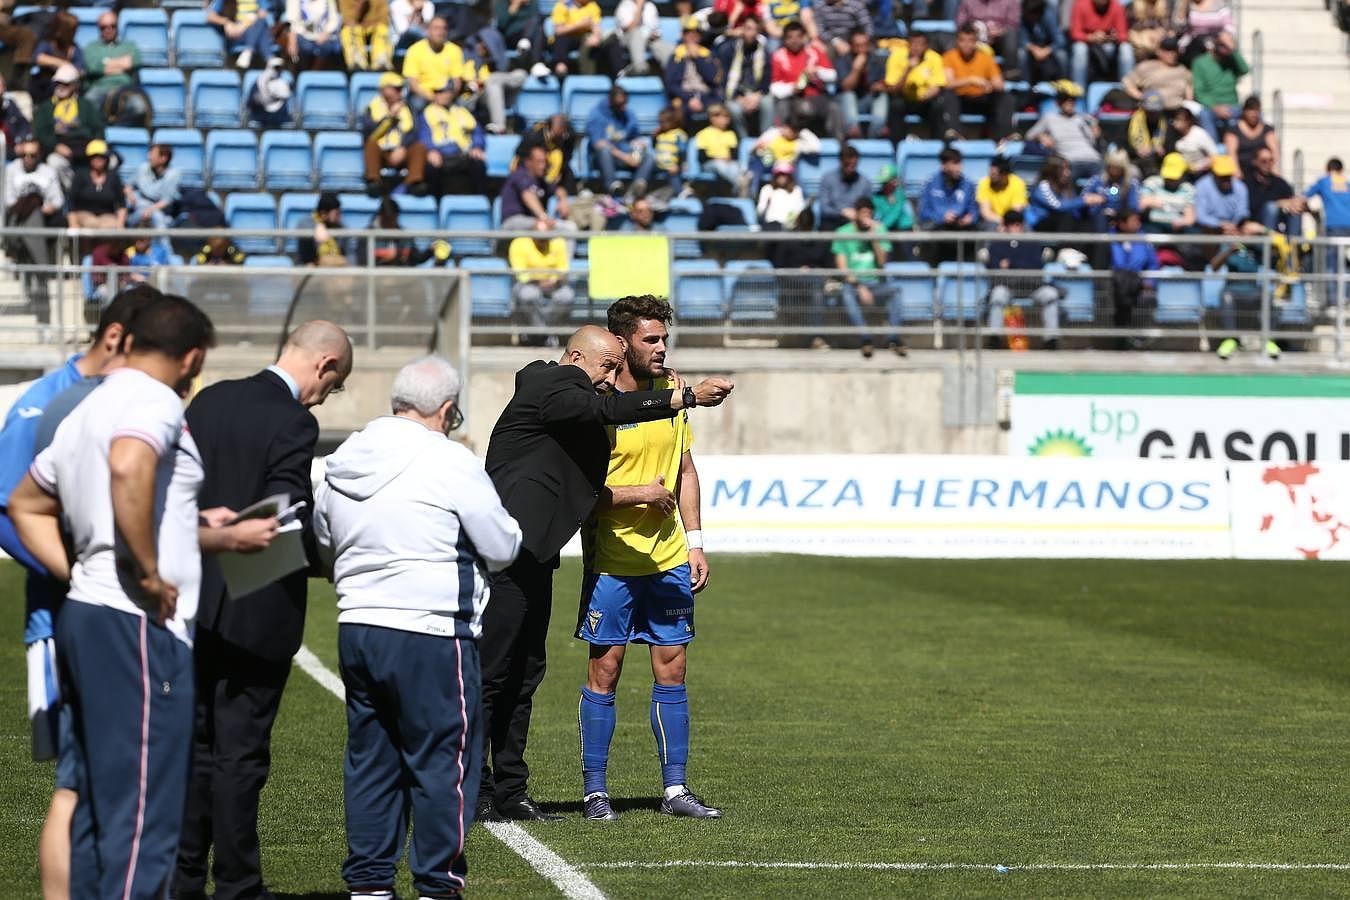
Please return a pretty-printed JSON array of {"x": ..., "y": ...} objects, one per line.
[
  {"x": 595, "y": 718},
  {"x": 670, "y": 725}
]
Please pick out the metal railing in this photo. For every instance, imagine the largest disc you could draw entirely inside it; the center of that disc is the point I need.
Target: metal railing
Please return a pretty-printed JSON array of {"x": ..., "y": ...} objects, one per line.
[{"x": 1257, "y": 61}]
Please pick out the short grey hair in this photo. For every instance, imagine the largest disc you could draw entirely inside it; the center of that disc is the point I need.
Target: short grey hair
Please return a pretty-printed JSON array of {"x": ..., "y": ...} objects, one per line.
[{"x": 424, "y": 385}]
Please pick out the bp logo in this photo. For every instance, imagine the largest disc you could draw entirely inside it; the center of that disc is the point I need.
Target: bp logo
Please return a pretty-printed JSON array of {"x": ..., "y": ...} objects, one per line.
[{"x": 1059, "y": 443}]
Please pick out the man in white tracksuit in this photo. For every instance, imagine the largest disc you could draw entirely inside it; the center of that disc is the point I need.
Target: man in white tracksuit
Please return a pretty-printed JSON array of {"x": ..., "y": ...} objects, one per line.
[{"x": 411, "y": 525}]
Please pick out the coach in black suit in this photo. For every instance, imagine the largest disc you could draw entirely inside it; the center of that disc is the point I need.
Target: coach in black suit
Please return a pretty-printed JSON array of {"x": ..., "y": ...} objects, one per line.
[
  {"x": 257, "y": 439},
  {"x": 548, "y": 457}
]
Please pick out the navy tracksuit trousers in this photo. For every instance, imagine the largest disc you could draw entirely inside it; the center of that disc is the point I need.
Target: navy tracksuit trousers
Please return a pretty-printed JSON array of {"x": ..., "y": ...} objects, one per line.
[
  {"x": 129, "y": 686},
  {"x": 414, "y": 747}
]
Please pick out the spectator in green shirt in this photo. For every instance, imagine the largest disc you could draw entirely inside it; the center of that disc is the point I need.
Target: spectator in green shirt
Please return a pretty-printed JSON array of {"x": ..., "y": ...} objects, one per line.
[
  {"x": 1215, "y": 76},
  {"x": 110, "y": 63},
  {"x": 859, "y": 252},
  {"x": 890, "y": 203}
]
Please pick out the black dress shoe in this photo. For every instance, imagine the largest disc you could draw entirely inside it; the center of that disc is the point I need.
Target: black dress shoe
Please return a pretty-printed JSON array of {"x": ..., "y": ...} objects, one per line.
[
  {"x": 526, "y": 810},
  {"x": 487, "y": 812}
]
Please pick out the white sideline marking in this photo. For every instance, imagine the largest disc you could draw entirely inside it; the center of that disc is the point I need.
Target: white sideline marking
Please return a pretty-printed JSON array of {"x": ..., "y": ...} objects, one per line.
[
  {"x": 947, "y": 867},
  {"x": 566, "y": 878}
]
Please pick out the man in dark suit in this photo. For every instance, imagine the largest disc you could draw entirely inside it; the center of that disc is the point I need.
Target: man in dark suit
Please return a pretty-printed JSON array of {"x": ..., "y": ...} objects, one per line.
[
  {"x": 548, "y": 457},
  {"x": 257, "y": 439}
]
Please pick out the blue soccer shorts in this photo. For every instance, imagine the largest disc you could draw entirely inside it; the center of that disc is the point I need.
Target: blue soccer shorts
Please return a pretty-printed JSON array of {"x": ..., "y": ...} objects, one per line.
[{"x": 641, "y": 609}]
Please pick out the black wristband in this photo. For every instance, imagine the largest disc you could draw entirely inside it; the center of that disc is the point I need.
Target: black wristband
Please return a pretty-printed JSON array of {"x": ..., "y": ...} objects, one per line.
[{"x": 690, "y": 401}]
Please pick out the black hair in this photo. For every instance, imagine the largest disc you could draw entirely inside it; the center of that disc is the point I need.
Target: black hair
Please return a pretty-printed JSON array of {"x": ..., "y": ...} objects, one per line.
[
  {"x": 949, "y": 154},
  {"x": 794, "y": 25},
  {"x": 865, "y": 203},
  {"x": 1014, "y": 217},
  {"x": 968, "y": 28},
  {"x": 848, "y": 151},
  {"x": 1335, "y": 165},
  {"x": 1002, "y": 163},
  {"x": 124, "y": 307},
  {"x": 625, "y": 313},
  {"x": 172, "y": 325}
]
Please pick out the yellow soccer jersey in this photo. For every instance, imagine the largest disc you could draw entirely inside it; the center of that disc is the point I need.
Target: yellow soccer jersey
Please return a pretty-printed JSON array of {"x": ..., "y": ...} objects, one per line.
[{"x": 638, "y": 540}]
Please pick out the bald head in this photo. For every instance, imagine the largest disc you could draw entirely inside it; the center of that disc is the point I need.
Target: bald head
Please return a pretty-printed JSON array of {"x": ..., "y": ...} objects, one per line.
[
  {"x": 598, "y": 353},
  {"x": 318, "y": 355}
]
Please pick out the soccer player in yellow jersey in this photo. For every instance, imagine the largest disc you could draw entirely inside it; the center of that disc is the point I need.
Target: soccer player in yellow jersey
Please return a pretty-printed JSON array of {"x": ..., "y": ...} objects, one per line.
[{"x": 644, "y": 563}]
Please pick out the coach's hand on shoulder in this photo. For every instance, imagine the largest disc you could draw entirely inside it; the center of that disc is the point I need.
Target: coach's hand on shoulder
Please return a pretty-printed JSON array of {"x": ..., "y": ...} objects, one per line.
[
  {"x": 656, "y": 494},
  {"x": 712, "y": 391}
]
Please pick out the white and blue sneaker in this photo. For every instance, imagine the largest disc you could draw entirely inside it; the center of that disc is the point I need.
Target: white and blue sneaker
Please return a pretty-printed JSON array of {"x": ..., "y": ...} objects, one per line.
[{"x": 596, "y": 808}]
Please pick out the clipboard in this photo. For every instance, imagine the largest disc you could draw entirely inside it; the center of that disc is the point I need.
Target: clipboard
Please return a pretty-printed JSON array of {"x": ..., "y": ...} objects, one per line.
[{"x": 246, "y": 573}]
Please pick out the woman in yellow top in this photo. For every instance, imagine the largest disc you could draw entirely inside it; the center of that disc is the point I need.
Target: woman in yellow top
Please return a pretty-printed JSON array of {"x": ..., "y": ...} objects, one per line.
[{"x": 576, "y": 29}]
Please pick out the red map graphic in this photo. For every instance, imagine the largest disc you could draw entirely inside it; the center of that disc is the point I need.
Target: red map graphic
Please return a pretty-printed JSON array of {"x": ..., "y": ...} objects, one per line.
[{"x": 1304, "y": 502}]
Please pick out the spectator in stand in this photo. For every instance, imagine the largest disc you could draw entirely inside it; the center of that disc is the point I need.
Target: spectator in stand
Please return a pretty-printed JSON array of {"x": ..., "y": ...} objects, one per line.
[
  {"x": 717, "y": 145},
  {"x": 1150, "y": 22},
  {"x": 999, "y": 193},
  {"x": 21, "y": 39},
  {"x": 454, "y": 143},
  {"x": 1020, "y": 255},
  {"x": 1205, "y": 19},
  {"x": 1044, "y": 53},
  {"x": 641, "y": 216},
  {"x": 1240, "y": 297},
  {"x": 521, "y": 27},
  {"x": 490, "y": 89},
  {"x": 97, "y": 197},
  {"x": 725, "y": 14},
  {"x": 974, "y": 78},
  {"x": 219, "y": 251},
  {"x": 780, "y": 200},
  {"x": 1332, "y": 190},
  {"x": 1249, "y": 134},
  {"x": 555, "y": 136},
  {"x": 1117, "y": 188},
  {"x": 541, "y": 293},
  {"x": 802, "y": 296},
  {"x": 1273, "y": 201},
  {"x": 108, "y": 254},
  {"x": 14, "y": 125},
  {"x": 1168, "y": 199},
  {"x": 1001, "y": 22},
  {"x": 693, "y": 77},
  {"x": 841, "y": 189},
  {"x": 889, "y": 203},
  {"x": 1070, "y": 134},
  {"x": 365, "y": 35},
  {"x": 837, "y": 19},
  {"x": 862, "y": 83},
  {"x": 576, "y": 29},
  {"x": 948, "y": 203},
  {"x": 431, "y": 62},
  {"x": 670, "y": 145},
  {"x": 782, "y": 143},
  {"x": 390, "y": 132},
  {"x": 247, "y": 27},
  {"x": 801, "y": 75},
  {"x": 1216, "y": 75},
  {"x": 56, "y": 49},
  {"x": 33, "y": 199},
  {"x": 524, "y": 195},
  {"x": 1191, "y": 141},
  {"x": 110, "y": 63},
  {"x": 410, "y": 19},
  {"x": 1164, "y": 74},
  {"x": 1222, "y": 205},
  {"x": 1101, "y": 46},
  {"x": 746, "y": 65},
  {"x": 321, "y": 248},
  {"x": 154, "y": 190},
  {"x": 860, "y": 251},
  {"x": 916, "y": 80},
  {"x": 637, "y": 38},
  {"x": 616, "y": 141},
  {"x": 398, "y": 251},
  {"x": 146, "y": 254},
  {"x": 315, "y": 31},
  {"x": 268, "y": 104},
  {"x": 1147, "y": 134},
  {"x": 66, "y": 123},
  {"x": 1055, "y": 205},
  {"x": 778, "y": 14},
  {"x": 1129, "y": 288}
]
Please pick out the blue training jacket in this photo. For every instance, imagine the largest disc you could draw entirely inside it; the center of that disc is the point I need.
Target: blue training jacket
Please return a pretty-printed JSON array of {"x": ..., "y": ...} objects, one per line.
[{"x": 18, "y": 438}]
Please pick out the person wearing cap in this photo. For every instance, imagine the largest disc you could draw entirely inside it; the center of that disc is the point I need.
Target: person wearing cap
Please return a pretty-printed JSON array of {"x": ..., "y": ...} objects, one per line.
[
  {"x": 800, "y": 76},
  {"x": 322, "y": 248},
  {"x": 454, "y": 143},
  {"x": 315, "y": 27},
  {"x": 841, "y": 189},
  {"x": 746, "y": 62},
  {"x": 616, "y": 142},
  {"x": 97, "y": 198},
  {"x": 576, "y": 29},
  {"x": 862, "y": 83},
  {"x": 110, "y": 63},
  {"x": 1167, "y": 199},
  {"x": 269, "y": 99},
  {"x": 916, "y": 79},
  {"x": 155, "y": 188},
  {"x": 1069, "y": 133},
  {"x": 1191, "y": 141},
  {"x": 431, "y": 62},
  {"x": 976, "y": 82},
  {"x": 1101, "y": 46},
  {"x": 1215, "y": 75},
  {"x": 999, "y": 193},
  {"x": 247, "y": 28},
  {"x": 780, "y": 200},
  {"x": 889, "y": 203},
  {"x": 1222, "y": 204},
  {"x": 390, "y": 130},
  {"x": 1164, "y": 74},
  {"x": 693, "y": 77},
  {"x": 1147, "y": 133},
  {"x": 541, "y": 294},
  {"x": 65, "y": 124}
]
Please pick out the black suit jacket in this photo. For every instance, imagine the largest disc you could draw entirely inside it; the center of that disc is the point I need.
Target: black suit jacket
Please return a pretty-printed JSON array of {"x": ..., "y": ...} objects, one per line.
[
  {"x": 256, "y": 440},
  {"x": 549, "y": 451}
]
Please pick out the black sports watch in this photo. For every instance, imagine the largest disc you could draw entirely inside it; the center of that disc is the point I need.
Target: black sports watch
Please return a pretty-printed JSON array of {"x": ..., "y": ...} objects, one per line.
[{"x": 690, "y": 401}]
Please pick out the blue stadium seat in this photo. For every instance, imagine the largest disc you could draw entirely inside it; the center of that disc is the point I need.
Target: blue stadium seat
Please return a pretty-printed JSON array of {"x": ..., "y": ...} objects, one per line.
[
  {"x": 323, "y": 100},
  {"x": 753, "y": 290},
  {"x": 580, "y": 94},
  {"x": 288, "y": 110},
  {"x": 196, "y": 44},
  {"x": 915, "y": 283},
  {"x": 961, "y": 290},
  {"x": 252, "y": 211},
  {"x": 811, "y": 168},
  {"x": 168, "y": 96},
  {"x": 295, "y": 211},
  {"x": 189, "y": 153},
  {"x": 918, "y": 161},
  {"x": 338, "y": 161},
  {"x": 148, "y": 29},
  {"x": 941, "y": 32},
  {"x": 490, "y": 283},
  {"x": 646, "y": 98},
  {"x": 130, "y": 145},
  {"x": 86, "y": 31},
  {"x": 358, "y": 209},
  {"x": 545, "y": 7},
  {"x": 1096, "y": 93},
  {"x": 87, "y": 288},
  {"x": 268, "y": 261},
  {"x": 700, "y": 292},
  {"x": 467, "y": 213},
  {"x": 362, "y": 89},
  {"x": 216, "y": 98},
  {"x": 672, "y": 30},
  {"x": 1079, "y": 304},
  {"x": 500, "y": 150},
  {"x": 418, "y": 214},
  {"x": 873, "y": 154},
  {"x": 744, "y": 204},
  {"x": 287, "y": 162},
  {"x": 975, "y": 157},
  {"x": 1179, "y": 302},
  {"x": 682, "y": 217},
  {"x": 1294, "y": 310},
  {"x": 232, "y": 159},
  {"x": 538, "y": 99}
]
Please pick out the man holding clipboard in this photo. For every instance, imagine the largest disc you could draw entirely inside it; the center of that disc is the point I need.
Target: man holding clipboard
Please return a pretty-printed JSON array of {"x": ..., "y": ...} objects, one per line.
[{"x": 257, "y": 439}]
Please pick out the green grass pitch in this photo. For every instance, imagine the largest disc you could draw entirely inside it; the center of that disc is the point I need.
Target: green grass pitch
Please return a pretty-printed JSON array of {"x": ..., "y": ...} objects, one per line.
[{"x": 897, "y": 711}]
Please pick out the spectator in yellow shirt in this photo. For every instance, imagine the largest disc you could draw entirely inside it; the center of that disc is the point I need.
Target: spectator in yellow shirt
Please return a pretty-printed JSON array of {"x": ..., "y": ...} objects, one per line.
[
  {"x": 541, "y": 293},
  {"x": 576, "y": 29},
  {"x": 717, "y": 145},
  {"x": 998, "y": 193},
  {"x": 917, "y": 80},
  {"x": 430, "y": 63}
]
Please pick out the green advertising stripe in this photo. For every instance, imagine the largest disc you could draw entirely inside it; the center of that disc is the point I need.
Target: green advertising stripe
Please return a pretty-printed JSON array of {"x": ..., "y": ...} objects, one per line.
[{"x": 1167, "y": 385}]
